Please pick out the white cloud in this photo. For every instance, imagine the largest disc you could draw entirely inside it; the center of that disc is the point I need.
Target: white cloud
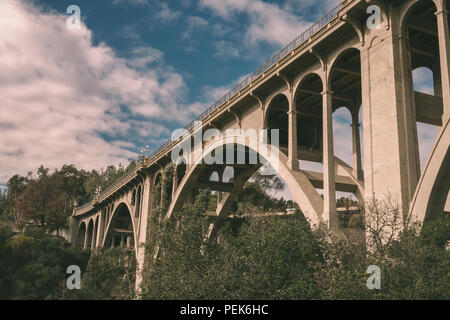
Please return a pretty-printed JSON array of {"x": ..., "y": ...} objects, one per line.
[
  {"x": 268, "y": 22},
  {"x": 193, "y": 23},
  {"x": 423, "y": 80},
  {"x": 224, "y": 50},
  {"x": 165, "y": 14},
  {"x": 61, "y": 95}
]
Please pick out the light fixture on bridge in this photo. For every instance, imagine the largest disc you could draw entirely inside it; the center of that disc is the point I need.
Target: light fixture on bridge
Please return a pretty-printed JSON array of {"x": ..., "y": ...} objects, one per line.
[
  {"x": 98, "y": 191},
  {"x": 147, "y": 151}
]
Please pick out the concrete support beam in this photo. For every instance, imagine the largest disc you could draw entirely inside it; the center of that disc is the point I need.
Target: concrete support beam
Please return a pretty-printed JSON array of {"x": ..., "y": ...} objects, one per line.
[
  {"x": 329, "y": 188},
  {"x": 86, "y": 237},
  {"x": 293, "y": 142},
  {"x": 100, "y": 222},
  {"x": 94, "y": 234},
  {"x": 429, "y": 109},
  {"x": 216, "y": 186},
  {"x": 356, "y": 145},
  {"x": 444, "y": 52},
  {"x": 343, "y": 183},
  {"x": 141, "y": 236}
]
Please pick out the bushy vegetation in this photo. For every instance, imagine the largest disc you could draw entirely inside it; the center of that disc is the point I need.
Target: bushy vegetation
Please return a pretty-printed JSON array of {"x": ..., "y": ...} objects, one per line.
[
  {"x": 281, "y": 258},
  {"x": 46, "y": 200},
  {"x": 33, "y": 264},
  {"x": 254, "y": 257}
]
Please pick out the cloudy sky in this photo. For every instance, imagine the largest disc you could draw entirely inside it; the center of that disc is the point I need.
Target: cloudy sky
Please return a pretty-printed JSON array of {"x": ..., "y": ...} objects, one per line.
[{"x": 133, "y": 72}]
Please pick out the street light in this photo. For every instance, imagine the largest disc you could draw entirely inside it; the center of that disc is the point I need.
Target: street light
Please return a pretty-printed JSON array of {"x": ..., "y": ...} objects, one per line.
[
  {"x": 147, "y": 151},
  {"x": 98, "y": 191}
]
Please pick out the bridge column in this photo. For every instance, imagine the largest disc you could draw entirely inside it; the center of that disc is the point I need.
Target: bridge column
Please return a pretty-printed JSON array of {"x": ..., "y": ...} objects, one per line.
[
  {"x": 94, "y": 235},
  {"x": 141, "y": 233},
  {"x": 99, "y": 232},
  {"x": 357, "y": 166},
  {"x": 174, "y": 183},
  {"x": 329, "y": 186},
  {"x": 86, "y": 237},
  {"x": 390, "y": 134},
  {"x": 444, "y": 53},
  {"x": 293, "y": 143}
]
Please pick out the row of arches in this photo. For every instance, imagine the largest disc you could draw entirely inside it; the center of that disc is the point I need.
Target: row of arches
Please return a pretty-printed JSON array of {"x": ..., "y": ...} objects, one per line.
[{"x": 298, "y": 112}]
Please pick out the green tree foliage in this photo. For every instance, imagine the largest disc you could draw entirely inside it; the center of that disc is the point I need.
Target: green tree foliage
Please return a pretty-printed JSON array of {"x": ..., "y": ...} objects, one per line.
[
  {"x": 33, "y": 264},
  {"x": 254, "y": 259},
  {"x": 281, "y": 258},
  {"x": 110, "y": 274},
  {"x": 47, "y": 199}
]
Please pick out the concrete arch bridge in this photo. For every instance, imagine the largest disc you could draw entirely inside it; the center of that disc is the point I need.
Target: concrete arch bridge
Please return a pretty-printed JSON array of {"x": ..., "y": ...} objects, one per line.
[{"x": 340, "y": 62}]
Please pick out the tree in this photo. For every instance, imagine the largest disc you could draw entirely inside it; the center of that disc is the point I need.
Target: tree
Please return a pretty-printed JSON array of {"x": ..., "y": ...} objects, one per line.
[
  {"x": 43, "y": 203},
  {"x": 34, "y": 264},
  {"x": 110, "y": 274}
]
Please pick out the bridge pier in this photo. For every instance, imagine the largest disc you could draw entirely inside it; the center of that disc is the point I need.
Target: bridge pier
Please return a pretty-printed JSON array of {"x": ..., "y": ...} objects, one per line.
[
  {"x": 329, "y": 181},
  {"x": 444, "y": 53}
]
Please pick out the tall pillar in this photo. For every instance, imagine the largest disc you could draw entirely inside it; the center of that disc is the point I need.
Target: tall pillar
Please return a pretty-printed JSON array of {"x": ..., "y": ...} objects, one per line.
[
  {"x": 357, "y": 166},
  {"x": 293, "y": 143},
  {"x": 94, "y": 235},
  {"x": 444, "y": 53},
  {"x": 329, "y": 186},
  {"x": 141, "y": 233},
  {"x": 161, "y": 200},
  {"x": 86, "y": 237},
  {"x": 99, "y": 233},
  {"x": 390, "y": 135},
  {"x": 175, "y": 183}
]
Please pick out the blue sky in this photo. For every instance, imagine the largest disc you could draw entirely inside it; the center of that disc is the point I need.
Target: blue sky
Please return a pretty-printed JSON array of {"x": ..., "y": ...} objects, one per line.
[{"x": 134, "y": 72}]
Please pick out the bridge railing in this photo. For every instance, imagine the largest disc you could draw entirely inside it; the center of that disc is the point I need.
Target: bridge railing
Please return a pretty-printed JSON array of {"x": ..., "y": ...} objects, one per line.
[
  {"x": 297, "y": 42},
  {"x": 301, "y": 39}
]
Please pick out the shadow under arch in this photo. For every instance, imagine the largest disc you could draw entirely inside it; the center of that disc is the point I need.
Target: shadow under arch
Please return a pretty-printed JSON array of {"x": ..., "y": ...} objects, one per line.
[
  {"x": 90, "y": 233},
  {"x": 304, "y": 193},
  {"x": 276, "y": 117},
  {"x": 81, "y": 234},
  {"x": 308, "y": 105},
  {"x": 121, "y": 229}
]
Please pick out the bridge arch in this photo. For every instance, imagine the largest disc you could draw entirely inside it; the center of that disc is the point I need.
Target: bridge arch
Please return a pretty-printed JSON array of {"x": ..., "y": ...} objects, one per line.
[
  {"x": 411, "y": 5},
  {"x": 304, "y": 193},
  {"x": 157, "y": 193},
  {"x": 308, "y": 105},
  {"x": 120, "y": 229},
  {"x": 276, "y": 117}
]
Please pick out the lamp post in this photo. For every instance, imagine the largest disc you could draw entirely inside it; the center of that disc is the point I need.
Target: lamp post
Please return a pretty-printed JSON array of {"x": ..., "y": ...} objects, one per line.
[
  {"x": 147, "y": 151},
  {"x": 98, "y": 191}
]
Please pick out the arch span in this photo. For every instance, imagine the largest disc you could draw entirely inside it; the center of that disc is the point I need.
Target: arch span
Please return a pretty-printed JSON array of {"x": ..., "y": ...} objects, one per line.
[
  {"x": 301, "y": 188},
  {"x": 121, "y": 229}
]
